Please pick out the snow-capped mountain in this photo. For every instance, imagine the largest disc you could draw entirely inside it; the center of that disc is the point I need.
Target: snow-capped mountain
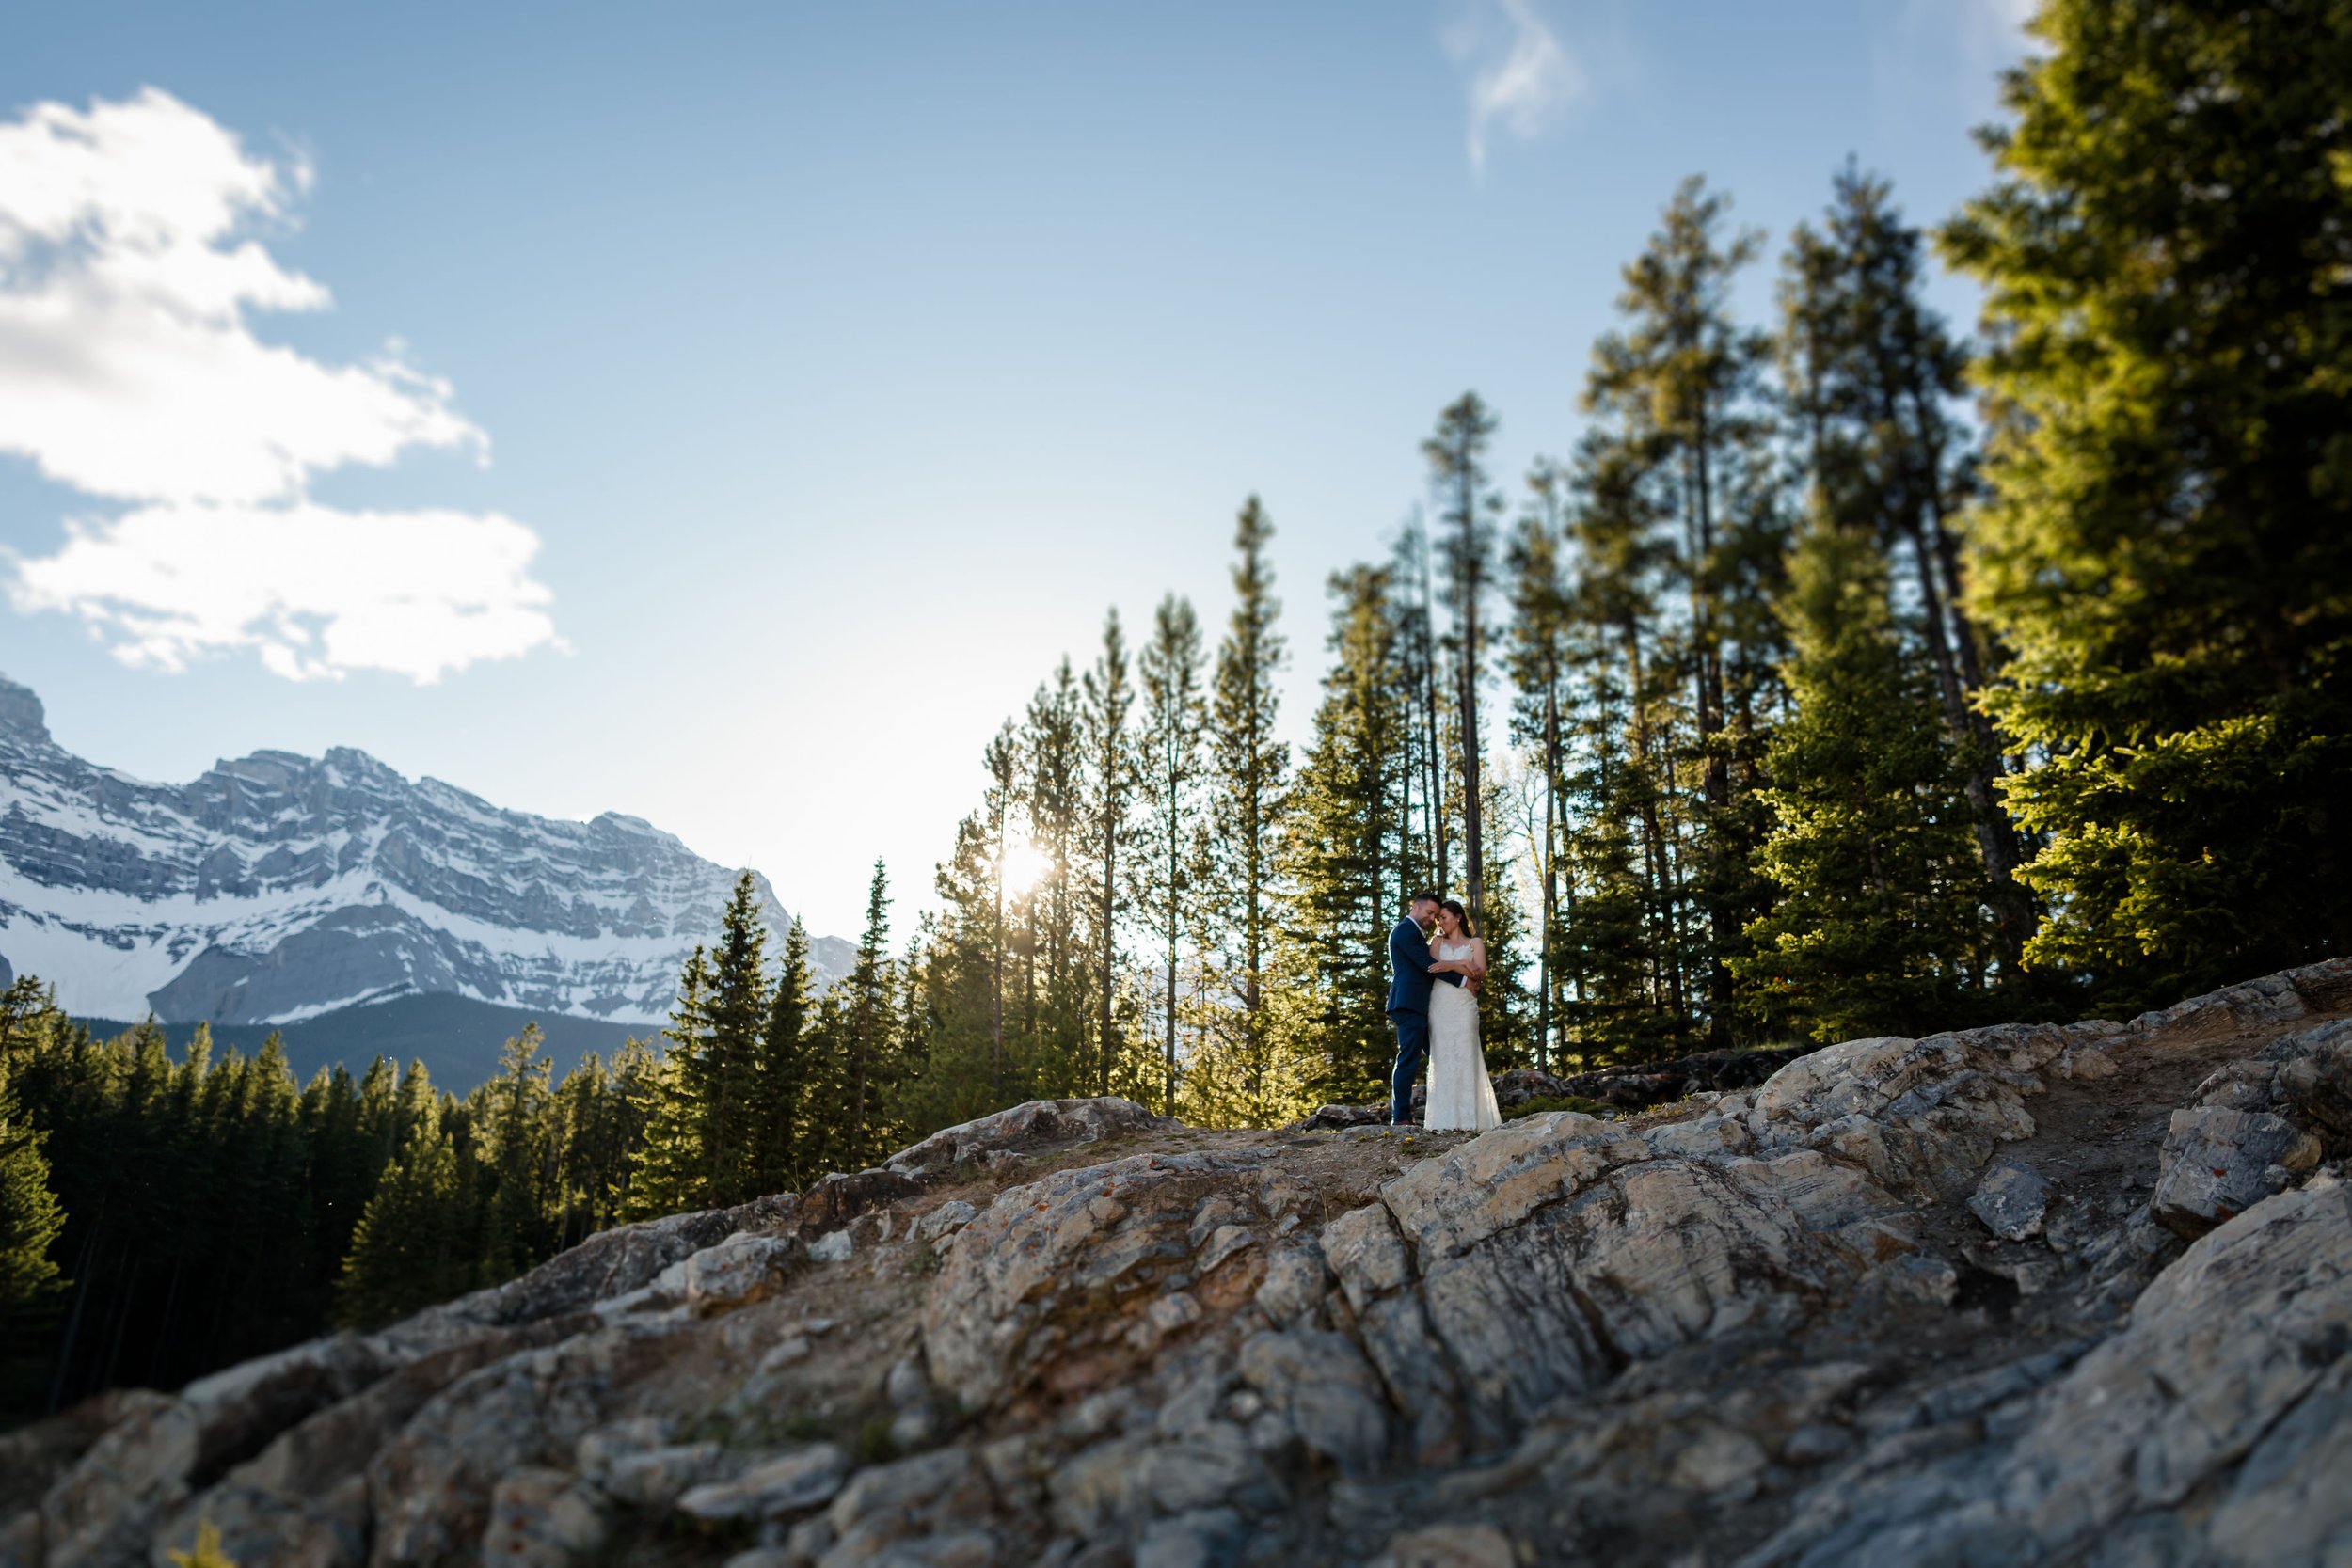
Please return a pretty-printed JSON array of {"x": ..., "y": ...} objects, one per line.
[{"x": 277, "y": 888}]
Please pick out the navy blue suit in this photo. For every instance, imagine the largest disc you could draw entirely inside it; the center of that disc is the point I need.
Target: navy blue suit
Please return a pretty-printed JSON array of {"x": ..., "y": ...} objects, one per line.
[{"x": 1408, "y": 1009}]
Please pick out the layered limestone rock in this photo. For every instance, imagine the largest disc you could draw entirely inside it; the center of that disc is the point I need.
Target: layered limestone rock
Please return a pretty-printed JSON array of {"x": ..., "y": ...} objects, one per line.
[{"x": 2026, "y": 1293}]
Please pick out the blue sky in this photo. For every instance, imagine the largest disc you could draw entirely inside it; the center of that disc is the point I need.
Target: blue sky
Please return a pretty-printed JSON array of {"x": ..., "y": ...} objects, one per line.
[{"x": 727, "y": 414}]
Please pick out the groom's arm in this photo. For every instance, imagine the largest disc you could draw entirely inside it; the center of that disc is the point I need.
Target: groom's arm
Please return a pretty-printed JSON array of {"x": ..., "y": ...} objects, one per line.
[{"x": 1410, "y": 949}]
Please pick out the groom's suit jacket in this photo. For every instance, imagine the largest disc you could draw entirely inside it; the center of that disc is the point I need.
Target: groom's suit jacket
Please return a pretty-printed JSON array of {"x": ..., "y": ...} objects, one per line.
[{"x": 1408, "y": 967}]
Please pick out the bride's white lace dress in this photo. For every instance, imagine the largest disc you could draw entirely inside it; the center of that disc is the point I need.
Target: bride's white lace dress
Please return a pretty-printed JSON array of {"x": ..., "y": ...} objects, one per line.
[{"x": 1460, "y": 1097}]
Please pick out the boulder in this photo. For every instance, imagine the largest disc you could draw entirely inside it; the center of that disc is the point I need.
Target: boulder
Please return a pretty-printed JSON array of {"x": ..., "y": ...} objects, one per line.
[
  {"x": 1295, "y": 1284},
  {"x": 1333, "y": 1118},
  {"x": 544, "y": 1518},
  {"x": 2220, "y": 1162},
  {"x": 843, "y": 1196},
  {"x": 944, "y": 1494},
  {"x": 2306, "y": 1077},
  {"x": 1202, "y": 1538},
  {"x": 606, "y": 1267},
  {"x": 736, "y": 1272},
  {"x": 429, "y": 1486},
  {"x": 1321, "y": 1384},
  {"x": 1034, "y": 1125},
  {"x": 655, "y": 1478},
  {"x": 2239, "y": 1339},
  {"x": 1058, "y": 1265},
  {"x": 946, "y": 1220},
  {"x": 135, "y": 1478},
  {"x": 2012, "y": 1200},
  {"x": 1449, "y": 1546},
  {"x": 774, "y": 1488},
  {"x": 1919, "y": 1116},
  {"x": 302, "y": 1502}
]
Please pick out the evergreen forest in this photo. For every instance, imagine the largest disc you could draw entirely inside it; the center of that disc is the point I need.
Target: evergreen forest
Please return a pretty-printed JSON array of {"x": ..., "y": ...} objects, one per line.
[{"x": 1851, "y": 673}]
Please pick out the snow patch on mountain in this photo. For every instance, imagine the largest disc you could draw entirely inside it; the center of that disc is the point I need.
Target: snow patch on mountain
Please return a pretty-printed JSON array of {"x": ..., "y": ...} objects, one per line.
[{"x": 278, "y": 887}]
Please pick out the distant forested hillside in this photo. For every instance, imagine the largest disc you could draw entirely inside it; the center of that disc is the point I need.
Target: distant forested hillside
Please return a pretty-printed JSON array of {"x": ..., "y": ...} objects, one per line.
[{"x": 457, "y": 1039}]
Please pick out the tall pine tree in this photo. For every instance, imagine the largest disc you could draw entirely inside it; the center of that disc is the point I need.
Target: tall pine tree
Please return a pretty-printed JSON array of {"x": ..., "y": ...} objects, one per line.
[
  {"x": 2167, "y": 530},
  {"x": 1344, "y": 846},
  {"x": 1679, "y": 378},
  {"x": 1879, "y": 927},
  {"x": 1466, "y": 507},
  {"x": 1248, "y": 792},
  {"x": 1109, "y": 810},
  {"x": 1175, "y": 714}
]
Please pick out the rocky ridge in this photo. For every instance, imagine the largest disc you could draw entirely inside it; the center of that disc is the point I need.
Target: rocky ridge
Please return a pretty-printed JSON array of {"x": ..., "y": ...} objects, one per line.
[
  {"x": 2020, "y": 1294},
  {"x": 277, "y": 887}
]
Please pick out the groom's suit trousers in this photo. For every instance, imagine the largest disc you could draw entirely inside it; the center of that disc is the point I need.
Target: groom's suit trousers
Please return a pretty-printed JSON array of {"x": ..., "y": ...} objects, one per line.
[{"x": 1412, "y": 1045}]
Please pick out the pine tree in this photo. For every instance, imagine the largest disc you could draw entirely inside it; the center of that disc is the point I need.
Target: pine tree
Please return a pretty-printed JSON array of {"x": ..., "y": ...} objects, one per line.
[
  {"x": 1874, "y": 374},
  {"x": 735, "y": 1022},
  {"x": 1109, "y": 808},
  {"x": 1681, "y": 379},
  {"x": 1466, "y": 505},
  {"x": 1345, "y": 844},
  {"x": 1878, "y": 925},
  {"x": 1427, "y": 858},
  {"x": 671, "y": 1168},
  {"x": 1174, "y": 716},
  {"x": 865, "y": 1065},
  {"x": 30, "y": 1221},
  {"x": 1542, "y": 653},
  {"x": 413, "y": 1246},
  {"x": 523, "y": 1202},
  {"x": 2167, "y": 531},
  {"x": 589, "y": 1162},
  {"x": 1003, "y": 761},
  {"x": 777, "y": 1161},
  {"x": 1054, "y": 1004},
  {"x": 1252, "y": 767},
  {"x": 1637, "y": 1003}
]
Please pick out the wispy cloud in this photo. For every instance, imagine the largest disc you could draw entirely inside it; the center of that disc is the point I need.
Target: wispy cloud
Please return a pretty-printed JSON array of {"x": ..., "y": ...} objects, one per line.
[
  {"x": 130, "y": 265},
  {"x": 1946, "y": 50},
  {"x": 1992, "y": 32},
  {"x": 1521, "y": 77}
]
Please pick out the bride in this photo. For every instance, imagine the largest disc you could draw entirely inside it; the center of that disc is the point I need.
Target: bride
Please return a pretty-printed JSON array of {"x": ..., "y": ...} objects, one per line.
[{"x": 1460, "y": 1097}]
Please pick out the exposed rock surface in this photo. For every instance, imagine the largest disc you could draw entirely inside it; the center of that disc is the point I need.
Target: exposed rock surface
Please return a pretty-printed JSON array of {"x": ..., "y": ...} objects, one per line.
[
  {"x": 2029, "y": 1294},
  {"x": 1627, "y": 1088}
]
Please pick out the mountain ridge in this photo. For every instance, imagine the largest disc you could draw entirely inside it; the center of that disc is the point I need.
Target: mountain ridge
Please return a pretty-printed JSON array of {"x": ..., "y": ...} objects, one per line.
[{"x": 276, "y": 889}]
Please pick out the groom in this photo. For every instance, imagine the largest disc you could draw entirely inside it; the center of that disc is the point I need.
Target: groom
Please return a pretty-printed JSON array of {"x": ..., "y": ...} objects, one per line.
[{"x": 1409, "y": 1000}]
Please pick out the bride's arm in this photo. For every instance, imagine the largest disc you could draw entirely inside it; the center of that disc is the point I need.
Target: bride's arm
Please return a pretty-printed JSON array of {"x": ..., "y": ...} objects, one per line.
[{"x": 1477, "y": 961}]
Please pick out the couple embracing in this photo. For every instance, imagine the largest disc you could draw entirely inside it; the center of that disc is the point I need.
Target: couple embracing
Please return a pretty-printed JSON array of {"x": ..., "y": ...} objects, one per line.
[{"x": 1433, "y": 1001}]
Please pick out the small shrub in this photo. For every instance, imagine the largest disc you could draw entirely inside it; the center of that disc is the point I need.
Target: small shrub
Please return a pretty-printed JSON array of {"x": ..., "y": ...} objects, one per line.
[
  {"x": 207, "y": 1553},
  {"x": 875, "y": 1446}
]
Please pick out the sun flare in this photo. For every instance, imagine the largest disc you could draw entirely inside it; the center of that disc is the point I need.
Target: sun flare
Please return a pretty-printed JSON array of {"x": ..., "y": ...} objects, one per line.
[{"x": 1024, "y": 867}]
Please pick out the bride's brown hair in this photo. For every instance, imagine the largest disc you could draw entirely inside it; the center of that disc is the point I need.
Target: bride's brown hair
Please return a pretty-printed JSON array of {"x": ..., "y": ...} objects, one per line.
[{"x": 1461, "y": 916}]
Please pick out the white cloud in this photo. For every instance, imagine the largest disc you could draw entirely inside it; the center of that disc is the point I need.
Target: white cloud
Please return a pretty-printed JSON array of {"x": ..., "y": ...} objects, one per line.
[
  {"x": 130, "y": 371},
  {"x": 315, "y": 591},
  {"x": 1521, "y": 77}
]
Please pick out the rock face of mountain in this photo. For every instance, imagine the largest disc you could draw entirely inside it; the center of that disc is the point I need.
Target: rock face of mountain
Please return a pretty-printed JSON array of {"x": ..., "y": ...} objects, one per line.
[
  {"x": 2018, "y": 1294},
  {"x": 277, "y": 888}
]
